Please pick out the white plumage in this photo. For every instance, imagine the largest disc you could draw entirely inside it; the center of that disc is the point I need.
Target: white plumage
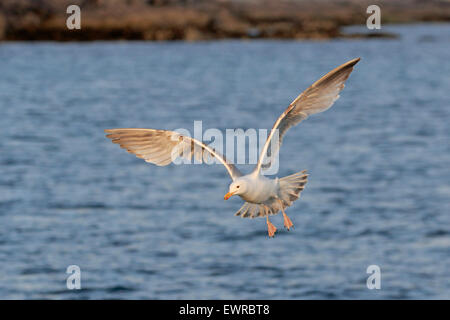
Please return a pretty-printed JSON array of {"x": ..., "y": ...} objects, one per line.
[{"x": 263, "y": 196}]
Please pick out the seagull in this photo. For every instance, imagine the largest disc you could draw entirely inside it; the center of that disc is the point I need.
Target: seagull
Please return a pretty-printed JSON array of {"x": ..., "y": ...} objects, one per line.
[{"x": 263, "y": 196}]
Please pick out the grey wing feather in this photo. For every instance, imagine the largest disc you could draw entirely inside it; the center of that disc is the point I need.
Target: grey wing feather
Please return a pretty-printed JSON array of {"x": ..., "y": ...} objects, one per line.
[
  {"x": 162, "y": 147},
  {"x": 319, "y": 97}
]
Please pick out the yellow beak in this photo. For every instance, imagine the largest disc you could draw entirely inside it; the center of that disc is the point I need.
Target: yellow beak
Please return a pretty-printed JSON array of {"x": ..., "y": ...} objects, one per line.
[{"x": 228, "y": 195}]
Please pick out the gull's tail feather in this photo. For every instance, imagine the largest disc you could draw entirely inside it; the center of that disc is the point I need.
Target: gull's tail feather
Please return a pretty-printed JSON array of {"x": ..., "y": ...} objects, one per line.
[
  {"x": 290, "y": 189},
  {"x": 253, "y": 210}
]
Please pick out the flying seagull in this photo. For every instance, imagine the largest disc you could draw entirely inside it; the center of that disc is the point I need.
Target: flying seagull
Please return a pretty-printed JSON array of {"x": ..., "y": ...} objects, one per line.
[{"x": 263, "y": 196}]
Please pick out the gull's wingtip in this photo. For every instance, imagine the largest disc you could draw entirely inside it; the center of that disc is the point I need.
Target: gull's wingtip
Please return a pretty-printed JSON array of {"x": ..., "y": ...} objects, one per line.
[
  {"x": 348, "y": 65},
  {"x": 353, "y": 61},
  {"x": 109, "y": 132}
]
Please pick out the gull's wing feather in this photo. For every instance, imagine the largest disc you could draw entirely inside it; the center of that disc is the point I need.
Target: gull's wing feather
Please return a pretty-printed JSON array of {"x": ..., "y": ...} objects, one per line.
[
  {"x": 162, "y": 147},
  {"x": 317, "y": 98}
]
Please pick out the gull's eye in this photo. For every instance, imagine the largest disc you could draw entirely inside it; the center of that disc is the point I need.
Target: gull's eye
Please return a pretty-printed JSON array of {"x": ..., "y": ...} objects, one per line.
[{"x": 238, "y": 187}]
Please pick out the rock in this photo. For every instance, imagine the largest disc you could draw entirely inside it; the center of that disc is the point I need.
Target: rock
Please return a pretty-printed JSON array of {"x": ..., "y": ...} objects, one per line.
[
  {"x": 194, "y": 20},
  {"x": 2, "y": 27}
]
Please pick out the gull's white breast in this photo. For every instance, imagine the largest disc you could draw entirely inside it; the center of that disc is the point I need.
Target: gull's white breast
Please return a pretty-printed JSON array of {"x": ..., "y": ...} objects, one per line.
[{"x": 260, "y": 189}]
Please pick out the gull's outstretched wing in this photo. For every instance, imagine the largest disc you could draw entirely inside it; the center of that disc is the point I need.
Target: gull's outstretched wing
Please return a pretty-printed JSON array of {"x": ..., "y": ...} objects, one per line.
[
  {"x": 162, "y": 147},
  {"x": 317, "y": 98}
]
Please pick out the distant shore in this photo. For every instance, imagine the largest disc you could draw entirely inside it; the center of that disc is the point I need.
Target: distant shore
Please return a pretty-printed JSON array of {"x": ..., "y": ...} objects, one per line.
[{"x": 205, "y": 20}]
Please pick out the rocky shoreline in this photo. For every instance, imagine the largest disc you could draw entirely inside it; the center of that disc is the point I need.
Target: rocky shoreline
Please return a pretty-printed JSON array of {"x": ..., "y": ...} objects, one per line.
[{"x": 204, "y": 20}]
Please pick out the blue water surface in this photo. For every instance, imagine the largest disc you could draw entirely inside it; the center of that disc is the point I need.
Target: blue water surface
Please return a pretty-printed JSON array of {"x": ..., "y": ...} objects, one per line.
[{"x": 378, "y": 191}]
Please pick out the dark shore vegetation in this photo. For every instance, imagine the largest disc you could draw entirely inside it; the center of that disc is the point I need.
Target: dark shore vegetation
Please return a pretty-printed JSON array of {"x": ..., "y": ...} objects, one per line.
[{"x": 193, "y": 20}]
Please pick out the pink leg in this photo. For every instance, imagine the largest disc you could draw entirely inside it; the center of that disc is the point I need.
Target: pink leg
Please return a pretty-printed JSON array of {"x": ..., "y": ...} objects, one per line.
[
  {"x": 287, "y": 222},
  {"x": 270, "y": 228}
]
